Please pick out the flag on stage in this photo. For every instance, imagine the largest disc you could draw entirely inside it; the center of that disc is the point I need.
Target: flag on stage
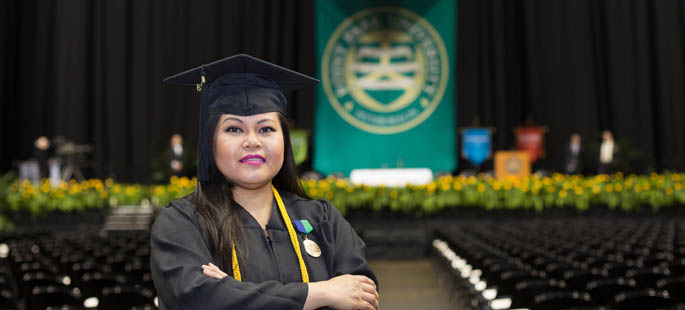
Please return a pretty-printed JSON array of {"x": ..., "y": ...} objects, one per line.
[
  {"x": 532, "y": 140},
  {"x": 386, "y": 97},
  {"x": 476, "y": 143}
]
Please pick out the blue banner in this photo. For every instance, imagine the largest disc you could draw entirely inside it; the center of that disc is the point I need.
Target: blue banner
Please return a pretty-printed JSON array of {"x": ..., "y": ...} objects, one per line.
[{"x": 476, "y": 145}]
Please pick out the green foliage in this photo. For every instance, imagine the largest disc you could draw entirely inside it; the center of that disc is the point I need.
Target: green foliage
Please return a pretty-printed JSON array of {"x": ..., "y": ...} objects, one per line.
[
  {"x": 5, "y": 183},
  {"x": 79, "y": 196},
  {"x": 536, "y": 193},
  {"x": 447, "y": 192}
]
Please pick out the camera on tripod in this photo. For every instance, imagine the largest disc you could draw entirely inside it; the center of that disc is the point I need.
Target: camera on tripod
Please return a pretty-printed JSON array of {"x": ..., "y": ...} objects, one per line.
[{"x": 74, "y": 157}]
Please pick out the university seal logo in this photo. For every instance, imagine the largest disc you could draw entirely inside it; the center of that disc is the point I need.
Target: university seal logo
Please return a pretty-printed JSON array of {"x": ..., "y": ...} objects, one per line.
[{"x": 385, "y": 70}]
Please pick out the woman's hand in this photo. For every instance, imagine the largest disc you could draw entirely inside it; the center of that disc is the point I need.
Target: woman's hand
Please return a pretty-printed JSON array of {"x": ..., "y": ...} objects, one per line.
[
  {"x": 213, "y": 271},
  {"x": 346, "y": 292},
  {"x": 343, "y": 292}
]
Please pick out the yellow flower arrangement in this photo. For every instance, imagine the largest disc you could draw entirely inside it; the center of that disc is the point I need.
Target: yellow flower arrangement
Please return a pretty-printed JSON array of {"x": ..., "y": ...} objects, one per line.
[
  {"x": 534, "y": 192},
  {"x": 618, "y": 190}
]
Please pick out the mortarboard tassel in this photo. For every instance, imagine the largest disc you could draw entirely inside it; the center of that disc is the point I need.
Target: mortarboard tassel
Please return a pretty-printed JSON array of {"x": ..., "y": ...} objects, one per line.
[{"x": 203, "y": 145}]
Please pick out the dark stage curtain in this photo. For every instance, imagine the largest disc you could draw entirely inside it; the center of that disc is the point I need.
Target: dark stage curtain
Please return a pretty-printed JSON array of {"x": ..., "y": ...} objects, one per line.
[
  {"x": 577, "y": 65},
  {"x": 91, "y": 70}
]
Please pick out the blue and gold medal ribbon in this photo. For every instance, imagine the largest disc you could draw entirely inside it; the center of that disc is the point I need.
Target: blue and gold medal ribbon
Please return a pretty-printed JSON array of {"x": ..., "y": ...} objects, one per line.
[
  {"x": 303, "y": 227},
  {"x": 293, "y": 240}
]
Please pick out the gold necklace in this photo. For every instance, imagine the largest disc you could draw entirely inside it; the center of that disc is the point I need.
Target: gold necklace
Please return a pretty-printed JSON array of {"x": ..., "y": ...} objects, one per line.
[{"x": 293, "y": 240}]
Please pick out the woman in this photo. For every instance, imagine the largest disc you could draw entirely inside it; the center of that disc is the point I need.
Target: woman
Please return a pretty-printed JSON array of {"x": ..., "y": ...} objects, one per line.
[{"x": 248, "y": 238}]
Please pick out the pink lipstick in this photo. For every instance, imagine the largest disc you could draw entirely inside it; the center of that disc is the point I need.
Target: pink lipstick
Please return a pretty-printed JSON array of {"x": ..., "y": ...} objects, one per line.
[{"x": 253, "y": 159}]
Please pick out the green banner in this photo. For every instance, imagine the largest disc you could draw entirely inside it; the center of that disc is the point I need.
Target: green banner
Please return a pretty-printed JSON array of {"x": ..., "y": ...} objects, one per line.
[
  {"x": 387, "y": 95},
  {"x": 298, "y": 139}
]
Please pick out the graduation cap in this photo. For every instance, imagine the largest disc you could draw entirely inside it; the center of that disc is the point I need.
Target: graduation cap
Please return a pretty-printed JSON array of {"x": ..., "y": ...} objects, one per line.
[{"x": 239, "y": 85}]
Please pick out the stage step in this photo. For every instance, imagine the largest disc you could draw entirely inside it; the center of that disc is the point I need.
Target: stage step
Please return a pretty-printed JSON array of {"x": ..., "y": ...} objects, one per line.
[{"x": 129, "y": 218}]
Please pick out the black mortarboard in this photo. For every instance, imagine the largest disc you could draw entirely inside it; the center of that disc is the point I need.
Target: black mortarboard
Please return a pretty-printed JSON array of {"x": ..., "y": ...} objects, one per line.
[{"x": 239, "y": 85}]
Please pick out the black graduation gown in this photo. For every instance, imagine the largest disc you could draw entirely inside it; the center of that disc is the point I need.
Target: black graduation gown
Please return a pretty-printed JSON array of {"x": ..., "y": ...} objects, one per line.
[{"x": 271, "y": 274}]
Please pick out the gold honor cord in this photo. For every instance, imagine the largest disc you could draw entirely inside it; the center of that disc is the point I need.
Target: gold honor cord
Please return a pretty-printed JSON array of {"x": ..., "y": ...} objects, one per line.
[
  {"x": 234, "y": 263},
  {"x": 293, "y": 240}
]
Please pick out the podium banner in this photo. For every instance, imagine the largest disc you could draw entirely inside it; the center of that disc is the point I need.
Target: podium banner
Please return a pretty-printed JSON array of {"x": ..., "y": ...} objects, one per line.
[
  {"x": 512, "y": 164},
  {"x": 532, "y": 140},
  {"x": 386, "y": 97},
  {"x": 476, "y": 143}
]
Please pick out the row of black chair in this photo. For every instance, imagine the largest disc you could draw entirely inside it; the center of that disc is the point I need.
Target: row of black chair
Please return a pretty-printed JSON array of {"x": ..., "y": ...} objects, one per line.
[
  {"x": 559, "y": 264},
  {"x": 41, "y": 271}
]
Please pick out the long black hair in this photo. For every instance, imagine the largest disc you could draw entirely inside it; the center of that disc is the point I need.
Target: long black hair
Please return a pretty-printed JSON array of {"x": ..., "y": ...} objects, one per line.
[{"x": 214, "y": 202}]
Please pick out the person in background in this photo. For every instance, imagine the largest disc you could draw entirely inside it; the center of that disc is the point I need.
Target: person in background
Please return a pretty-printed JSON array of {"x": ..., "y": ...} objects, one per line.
[
  {"x": 176, "y": 156},
  {"x": 40, "y": 153},
  {"x": 573, "y": 155},
  {"x": 607, "y": 153}
]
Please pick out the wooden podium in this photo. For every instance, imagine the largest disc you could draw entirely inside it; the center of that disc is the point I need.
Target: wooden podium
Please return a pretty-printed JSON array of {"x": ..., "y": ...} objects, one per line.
[{"x": 512, "y": 163}]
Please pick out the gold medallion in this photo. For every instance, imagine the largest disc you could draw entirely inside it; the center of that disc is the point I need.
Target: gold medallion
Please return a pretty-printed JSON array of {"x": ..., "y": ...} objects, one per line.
[{"x": 312, "y": 248}]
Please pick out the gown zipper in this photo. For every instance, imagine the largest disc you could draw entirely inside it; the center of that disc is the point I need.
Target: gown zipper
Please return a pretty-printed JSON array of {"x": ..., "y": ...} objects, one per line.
[{"x": 273, "y": 256}]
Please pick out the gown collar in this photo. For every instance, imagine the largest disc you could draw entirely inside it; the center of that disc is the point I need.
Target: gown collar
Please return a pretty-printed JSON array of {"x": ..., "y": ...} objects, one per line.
[{"x": 275, "y": 221}]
